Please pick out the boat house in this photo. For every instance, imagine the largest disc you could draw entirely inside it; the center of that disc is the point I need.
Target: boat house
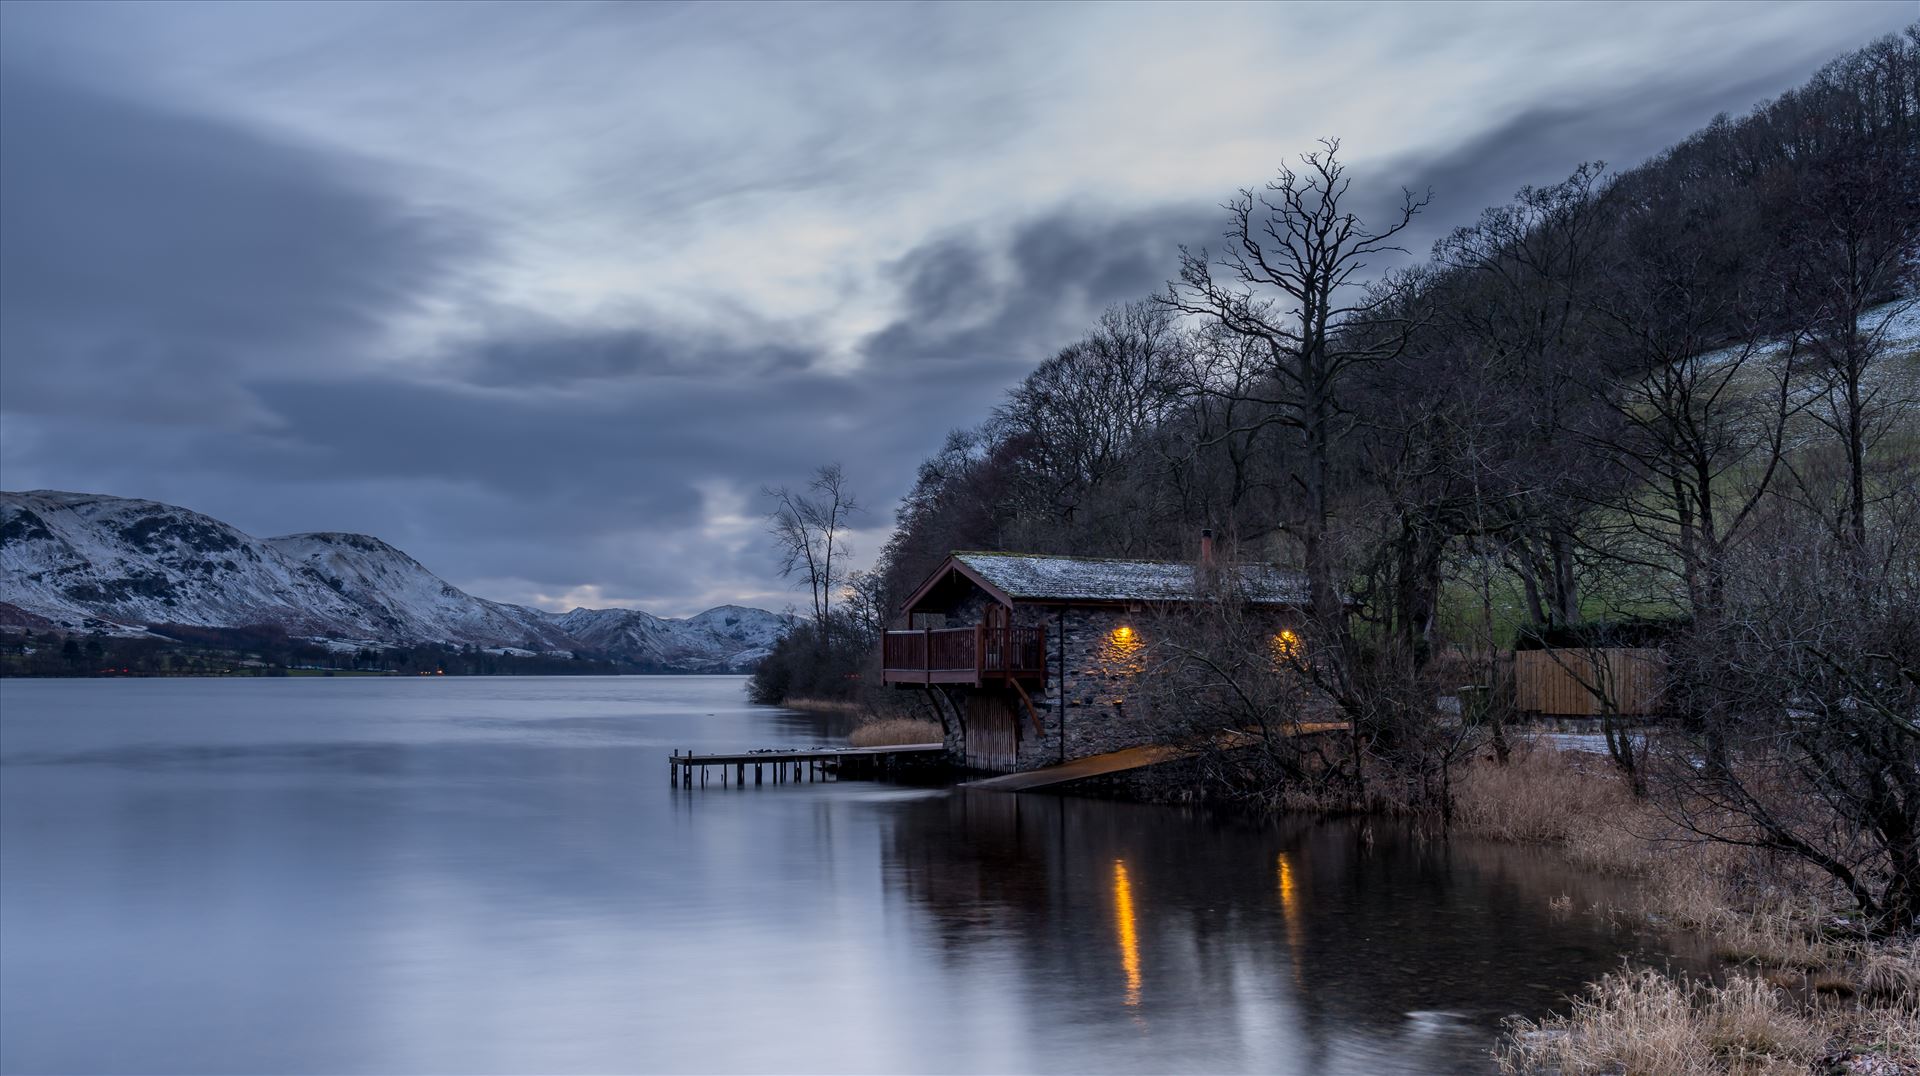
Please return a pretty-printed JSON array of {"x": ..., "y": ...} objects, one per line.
[{"x": 1035, "y": 659}]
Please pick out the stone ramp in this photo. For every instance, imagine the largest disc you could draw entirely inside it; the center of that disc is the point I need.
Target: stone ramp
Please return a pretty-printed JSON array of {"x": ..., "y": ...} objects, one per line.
[{"x": 1131, "y": 758}]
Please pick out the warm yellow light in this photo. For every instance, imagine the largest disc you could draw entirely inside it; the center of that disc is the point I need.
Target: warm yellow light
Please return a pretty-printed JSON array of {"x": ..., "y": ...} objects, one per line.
[
  {"x": 1128, "y": 933},
  {"x": 1120, "y": 652},
  {"x": 1286, "y": 644}
]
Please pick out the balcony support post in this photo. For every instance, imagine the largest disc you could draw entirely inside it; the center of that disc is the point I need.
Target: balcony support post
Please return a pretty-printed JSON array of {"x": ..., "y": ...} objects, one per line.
[{"x": 1038, "y": 729}]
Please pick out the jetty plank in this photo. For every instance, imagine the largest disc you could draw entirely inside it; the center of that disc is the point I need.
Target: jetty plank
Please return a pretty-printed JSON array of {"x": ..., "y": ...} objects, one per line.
[
  {"x": 814, "y": 754},
  {"x": 798, "y": 765}
]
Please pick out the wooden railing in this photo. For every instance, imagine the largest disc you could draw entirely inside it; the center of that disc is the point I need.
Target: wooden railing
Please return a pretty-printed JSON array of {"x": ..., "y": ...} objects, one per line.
[{"x": 972, "y": 655}]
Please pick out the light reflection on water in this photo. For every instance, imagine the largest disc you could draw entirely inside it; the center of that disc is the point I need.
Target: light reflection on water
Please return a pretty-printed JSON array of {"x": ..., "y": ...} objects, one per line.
[
  {"x": 1290, "y": 913},
  {"x": 494, "y": 876},
  {"x": 1127, "y": 931}
]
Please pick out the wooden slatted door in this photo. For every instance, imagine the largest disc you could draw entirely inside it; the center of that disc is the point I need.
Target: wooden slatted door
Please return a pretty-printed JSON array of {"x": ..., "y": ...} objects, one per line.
[
  {"x": 994, "y": 638},
  {"x": 993, "y": 732}
]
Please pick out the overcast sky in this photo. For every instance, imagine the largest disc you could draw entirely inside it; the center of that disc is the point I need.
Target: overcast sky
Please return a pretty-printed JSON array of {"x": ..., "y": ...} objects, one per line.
[{"x": 544, "y": 294}]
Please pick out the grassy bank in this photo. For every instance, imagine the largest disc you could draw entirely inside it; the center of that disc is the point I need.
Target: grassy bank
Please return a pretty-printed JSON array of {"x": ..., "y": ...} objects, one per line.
[
  {"x": 872, "y": 728},
  {"x": 1809, "y": 990}
]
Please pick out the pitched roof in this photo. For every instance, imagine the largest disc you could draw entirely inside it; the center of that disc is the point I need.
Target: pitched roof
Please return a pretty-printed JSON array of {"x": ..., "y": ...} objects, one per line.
[{"x": 1028, "y": 577}]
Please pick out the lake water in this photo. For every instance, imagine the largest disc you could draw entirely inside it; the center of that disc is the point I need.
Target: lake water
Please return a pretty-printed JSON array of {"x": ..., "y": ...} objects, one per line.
[{"x": 493, "y": 875}]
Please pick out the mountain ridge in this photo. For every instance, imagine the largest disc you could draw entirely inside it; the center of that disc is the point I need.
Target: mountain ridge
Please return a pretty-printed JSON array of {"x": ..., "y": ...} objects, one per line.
[{"x": 122, "y": 565}]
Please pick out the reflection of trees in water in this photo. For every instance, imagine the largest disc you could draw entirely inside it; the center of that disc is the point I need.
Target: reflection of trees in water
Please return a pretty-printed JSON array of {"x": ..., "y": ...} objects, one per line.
[{"x": 1114, "y": 909}]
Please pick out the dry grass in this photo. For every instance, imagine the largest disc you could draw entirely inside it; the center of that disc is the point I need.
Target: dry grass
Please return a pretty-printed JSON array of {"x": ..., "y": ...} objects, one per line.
[
  {"x": 1773, "y": 936},
  {"x": 875, "y": 722},
  {"x": 1891, "y": 973},
  {"x": 1550, "y": 797},
  {"x": 1881, "y": 1042},
  {"x": 1849, "y": 1003},
  {"x": 825, "y": 706},
  {"x": 895, "y": 731},
  {"x": 1645, "y": 1023}
]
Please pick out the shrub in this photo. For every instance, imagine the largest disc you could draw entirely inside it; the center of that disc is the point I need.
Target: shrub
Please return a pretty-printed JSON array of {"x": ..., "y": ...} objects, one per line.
[{"x": 801, "y": 665}]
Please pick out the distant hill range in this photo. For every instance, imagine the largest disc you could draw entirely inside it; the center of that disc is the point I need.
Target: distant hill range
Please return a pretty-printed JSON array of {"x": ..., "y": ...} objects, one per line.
[{"x": 81, "y": 562}]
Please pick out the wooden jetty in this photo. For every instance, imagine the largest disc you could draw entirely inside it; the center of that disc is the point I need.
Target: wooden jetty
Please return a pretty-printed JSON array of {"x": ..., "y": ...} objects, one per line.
[
  {"x": 686, "y": 769},
  {"x": 782, "y": 767}
]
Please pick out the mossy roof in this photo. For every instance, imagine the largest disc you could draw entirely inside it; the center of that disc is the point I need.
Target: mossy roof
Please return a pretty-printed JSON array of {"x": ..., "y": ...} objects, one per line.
[{"x": 1033, "y": 577}]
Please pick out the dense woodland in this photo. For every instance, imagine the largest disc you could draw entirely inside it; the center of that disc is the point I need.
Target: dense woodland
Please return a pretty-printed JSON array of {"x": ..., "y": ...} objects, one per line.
[{"x": 1670, "y": 403}]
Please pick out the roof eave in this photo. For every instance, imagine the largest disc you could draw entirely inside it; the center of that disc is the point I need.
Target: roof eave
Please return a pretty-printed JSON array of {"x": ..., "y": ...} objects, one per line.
[{"x": 953, "y": 563}]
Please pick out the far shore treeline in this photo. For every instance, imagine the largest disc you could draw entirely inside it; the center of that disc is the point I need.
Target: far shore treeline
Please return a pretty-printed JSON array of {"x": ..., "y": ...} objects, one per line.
[
  {"x": 266, "y": 650},
  {"x": 1679, "y": 399}
]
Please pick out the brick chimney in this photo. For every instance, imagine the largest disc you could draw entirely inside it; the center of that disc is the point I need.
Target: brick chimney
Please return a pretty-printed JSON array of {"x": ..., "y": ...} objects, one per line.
[{"x": 1206, "y": 548}]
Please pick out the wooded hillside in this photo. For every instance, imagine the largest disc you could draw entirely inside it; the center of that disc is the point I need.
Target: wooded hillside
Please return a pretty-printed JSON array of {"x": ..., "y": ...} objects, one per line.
[{"x": 1682, "y": 393}]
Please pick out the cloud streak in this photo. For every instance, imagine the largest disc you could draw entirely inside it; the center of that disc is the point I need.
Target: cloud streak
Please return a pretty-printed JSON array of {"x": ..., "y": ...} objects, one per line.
[{"x": 544, "y": 294}]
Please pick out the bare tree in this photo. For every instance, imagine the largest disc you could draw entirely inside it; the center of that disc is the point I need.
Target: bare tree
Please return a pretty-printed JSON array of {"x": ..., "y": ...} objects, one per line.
[
  {"x": 1818, "y": 652},
  {"x": 1851, "y": 242},
  {"x": 1234, "y": 687},
  {"x": 1082, "y": 415},
  {"x": 809, "y": 530},
  {"x": 1292, "y": 278},
  {"x": 1523, "y": 286},
  {"x": 1855, "y": 248},
  {"x": 1701, "y": 433}
]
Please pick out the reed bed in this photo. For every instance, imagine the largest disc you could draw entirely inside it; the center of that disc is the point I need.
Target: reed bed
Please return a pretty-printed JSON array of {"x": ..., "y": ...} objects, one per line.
[
  {"x": 1807, "y": 994},
  {"x": 895, "y": 732},
  {"x": 825, "y": 706}
]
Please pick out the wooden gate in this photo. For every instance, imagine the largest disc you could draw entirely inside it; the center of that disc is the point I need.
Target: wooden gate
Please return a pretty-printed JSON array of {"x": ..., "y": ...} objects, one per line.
[{"x": 992, "y": 732}]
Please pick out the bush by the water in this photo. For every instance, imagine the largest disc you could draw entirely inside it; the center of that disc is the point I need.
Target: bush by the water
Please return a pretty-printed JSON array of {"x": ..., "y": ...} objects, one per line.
[{"x": 803, "y": 665}]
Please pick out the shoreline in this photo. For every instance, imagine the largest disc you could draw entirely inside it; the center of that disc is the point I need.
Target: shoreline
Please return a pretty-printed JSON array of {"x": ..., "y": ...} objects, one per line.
[{"x": 1802, "y": 989}]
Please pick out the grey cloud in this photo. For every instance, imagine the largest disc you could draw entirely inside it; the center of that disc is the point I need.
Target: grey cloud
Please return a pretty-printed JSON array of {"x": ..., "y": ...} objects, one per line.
[
  {"x": 151, "y": 255},
  {"x": 968, "y": 302},
  {"x": 559, "y": 356}
]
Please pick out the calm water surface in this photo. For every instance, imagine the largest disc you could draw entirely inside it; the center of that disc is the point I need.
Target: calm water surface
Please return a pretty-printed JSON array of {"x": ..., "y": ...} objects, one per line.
[{"x": 493, "y": 875}]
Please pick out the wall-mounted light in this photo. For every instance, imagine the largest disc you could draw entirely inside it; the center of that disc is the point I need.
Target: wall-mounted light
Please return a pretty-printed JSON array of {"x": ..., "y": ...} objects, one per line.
[
  {"x": 1286, "y": 643},
  {"x": 1120, "y": 651}
]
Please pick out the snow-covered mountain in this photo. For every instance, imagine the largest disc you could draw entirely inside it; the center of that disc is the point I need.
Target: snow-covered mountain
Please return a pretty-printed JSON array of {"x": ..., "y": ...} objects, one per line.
[
  {"x": 406, "y": 601},
  {"x": 81, "y": 561},
  {"x": 743, "y": 635},
  {"x": 113, "y": 562}
]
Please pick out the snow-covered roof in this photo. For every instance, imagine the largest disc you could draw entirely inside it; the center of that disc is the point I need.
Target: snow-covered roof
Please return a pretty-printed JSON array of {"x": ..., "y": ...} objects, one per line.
[{"x": 1027, "y": 577}]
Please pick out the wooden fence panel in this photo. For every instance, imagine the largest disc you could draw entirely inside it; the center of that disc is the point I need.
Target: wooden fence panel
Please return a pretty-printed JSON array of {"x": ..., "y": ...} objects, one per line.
[{"x": 1566, "y": 682}]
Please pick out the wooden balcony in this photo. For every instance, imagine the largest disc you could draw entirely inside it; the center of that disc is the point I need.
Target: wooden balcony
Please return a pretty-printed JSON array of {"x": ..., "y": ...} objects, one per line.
[{"x": 977, "y": 656}]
